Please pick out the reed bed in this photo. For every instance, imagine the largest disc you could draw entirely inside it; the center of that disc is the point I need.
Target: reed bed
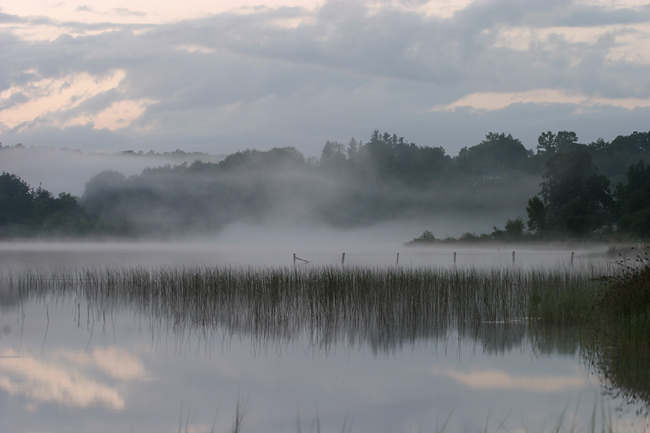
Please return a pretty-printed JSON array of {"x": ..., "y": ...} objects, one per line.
[
  {"x": 367, "y": 303},
  {"x": 384, "y": 307}
]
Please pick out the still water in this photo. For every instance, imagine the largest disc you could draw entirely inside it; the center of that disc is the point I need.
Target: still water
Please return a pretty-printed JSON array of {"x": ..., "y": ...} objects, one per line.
[{"x": 70, "y": 366}]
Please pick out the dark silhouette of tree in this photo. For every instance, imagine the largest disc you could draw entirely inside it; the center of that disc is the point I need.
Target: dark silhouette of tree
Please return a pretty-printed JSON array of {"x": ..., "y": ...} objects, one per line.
[
  {"x": 613, "y": 159},
  {"x": 26, "y": 211},
  {"x": 549, "y": 143},
  {"x": 333, "y": 155},
  {"x": 536, "y": 215},
  {"x": 514, "y": 229},
  {"x": 496, "y": 151},
  {"x": 633, "y": 200},
  {"x": 576, "y": 199},
  {"x": 16, "y": 200}
]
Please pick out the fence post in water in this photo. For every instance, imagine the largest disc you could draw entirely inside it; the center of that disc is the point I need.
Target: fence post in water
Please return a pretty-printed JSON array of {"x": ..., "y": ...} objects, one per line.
[
  {"x": 454, "y": 258},
  {"x": 571, "y": 258},
  {"x": 397, "y": 260},
  {"x": 343, "y": 259},
  {"x": 513, "y": 257}
]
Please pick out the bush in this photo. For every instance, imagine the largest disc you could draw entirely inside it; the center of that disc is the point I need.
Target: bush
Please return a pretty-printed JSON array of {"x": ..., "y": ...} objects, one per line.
[{"x": 626, "y": 297}]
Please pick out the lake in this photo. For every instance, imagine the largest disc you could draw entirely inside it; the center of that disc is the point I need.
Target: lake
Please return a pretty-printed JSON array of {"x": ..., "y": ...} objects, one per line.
[{"x": 72, "y": 362}]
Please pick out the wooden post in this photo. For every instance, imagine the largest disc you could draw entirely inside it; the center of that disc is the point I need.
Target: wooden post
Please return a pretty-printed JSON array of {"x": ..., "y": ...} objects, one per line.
[
  {"x": 571, "y": 258},
  {"x": 294, "y": 259},
  {"x": 397, "y": 260},
  {"x": 343, "y": 259},
  {"x": 454, "y": 257},
  {"x": 513, "y": 257}
]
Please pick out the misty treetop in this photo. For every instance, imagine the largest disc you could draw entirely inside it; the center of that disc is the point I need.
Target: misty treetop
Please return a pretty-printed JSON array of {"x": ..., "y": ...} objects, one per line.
[
  {"x": 563, "y": 186},
  {"x": 27, "y": 211}
]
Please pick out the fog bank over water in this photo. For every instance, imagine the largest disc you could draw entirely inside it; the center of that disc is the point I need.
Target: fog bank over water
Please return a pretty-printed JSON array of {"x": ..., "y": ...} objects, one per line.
[
  {"x": 262, "y": 246},
  {"x": 67, "y": 170}
]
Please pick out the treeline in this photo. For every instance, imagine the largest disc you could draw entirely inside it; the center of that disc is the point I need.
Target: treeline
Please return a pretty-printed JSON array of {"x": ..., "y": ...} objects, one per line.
[
  {"x": 575, "y": 200},
  {"x": 385, "y": 178},
  {"x": 355, "y": 185},
  {"x": 29, "y": 212}
]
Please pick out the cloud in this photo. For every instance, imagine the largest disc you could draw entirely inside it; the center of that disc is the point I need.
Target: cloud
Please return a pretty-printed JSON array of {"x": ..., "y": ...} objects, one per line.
[
  {"x": 495, "y": 379},
  {"x": 297, "y": 76},
  {"x": 84, "y": 8},
  {"x": 489, "y": 101},
  {"x": 68, "y": 101},
  {"x": 118, "y": 363},
  {"x": 8, "y": 18},
  {"x": 590, "y": 16},
  {"x": 129, "y": 12},
  {"x": 48, "y": 382},
  {"x": 68, "y": 379}
]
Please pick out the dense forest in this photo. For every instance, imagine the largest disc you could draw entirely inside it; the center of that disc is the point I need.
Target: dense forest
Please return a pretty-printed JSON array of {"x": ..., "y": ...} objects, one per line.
[{"x": 562, "y": 189}]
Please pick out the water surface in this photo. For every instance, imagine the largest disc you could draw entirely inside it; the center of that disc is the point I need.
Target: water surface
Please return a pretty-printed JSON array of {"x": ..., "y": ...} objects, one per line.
[{"x": 68, "y": 364}]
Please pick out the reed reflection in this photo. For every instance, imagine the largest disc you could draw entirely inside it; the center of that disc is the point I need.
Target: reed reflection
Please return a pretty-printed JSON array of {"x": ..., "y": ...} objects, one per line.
[{"x": 384, "y": 309}]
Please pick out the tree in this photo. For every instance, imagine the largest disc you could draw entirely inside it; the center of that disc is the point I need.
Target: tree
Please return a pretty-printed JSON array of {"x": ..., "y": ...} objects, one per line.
[
  {"x": 549, "y": 143},
  {"x": 633, "y": 200},
  {"x": 496, "y": 151},
  {"x": 26, "y": 211},
  {"x": 514, "y": 228},
  {"x": 353, "y": 147},
  {"x": 536, "y": 215},
  {"x": 102, "y": 190},
  {"x": 333, "y": 154},
  {"x": 613, "y": 159},
  {"x": 576, "y": 199},
  {"x": 16, "y": 201}
]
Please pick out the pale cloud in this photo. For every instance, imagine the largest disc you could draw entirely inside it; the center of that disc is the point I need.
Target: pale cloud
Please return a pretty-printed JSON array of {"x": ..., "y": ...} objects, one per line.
[
  {"x": 66, "y": 377},
  {"x": 142, "y": 11},
  {"x": 52, "y": 100},
  {"x": 629, "y": 43},
  {"x": 40, "y": 380},
  {"x": 195, "y": 48},
  {"x": 118, "y": 115},
  {"x": 444, "y": 8},
  {"x": 118, "y": 363},
  {"x": 495, "y": 379},
  {"x": 491, "y": 101}
]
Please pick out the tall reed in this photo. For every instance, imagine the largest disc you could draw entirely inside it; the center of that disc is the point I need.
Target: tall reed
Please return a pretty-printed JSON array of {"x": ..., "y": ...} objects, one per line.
[{"x": 326, "y": 302}]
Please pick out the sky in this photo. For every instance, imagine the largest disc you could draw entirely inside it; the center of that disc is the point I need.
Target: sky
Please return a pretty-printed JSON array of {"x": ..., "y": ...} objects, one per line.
[{"x": 223, "y": 76}]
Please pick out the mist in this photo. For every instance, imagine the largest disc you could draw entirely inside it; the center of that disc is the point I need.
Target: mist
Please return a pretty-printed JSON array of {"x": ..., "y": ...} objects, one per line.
[
  {"x": 280, "y": 191},
  {"x": 67, "y": 170},
  {"x": 394, "y": 187}
]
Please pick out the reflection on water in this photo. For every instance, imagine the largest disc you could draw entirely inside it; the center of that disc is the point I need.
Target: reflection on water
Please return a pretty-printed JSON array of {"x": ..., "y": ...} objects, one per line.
[
  {"x": 60, "y": 380},
  {"x": 94, "y": 356},
  {"x": 624, "y": 371}
]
